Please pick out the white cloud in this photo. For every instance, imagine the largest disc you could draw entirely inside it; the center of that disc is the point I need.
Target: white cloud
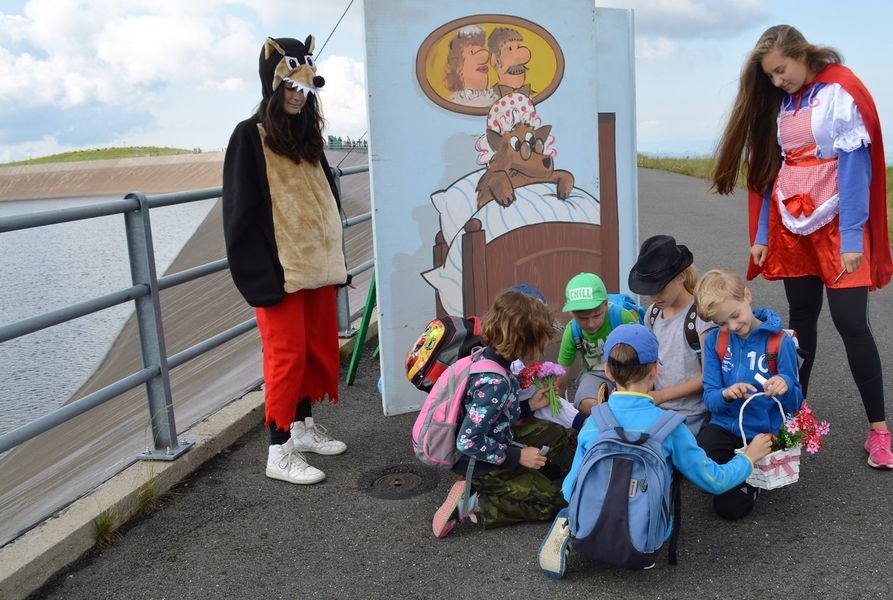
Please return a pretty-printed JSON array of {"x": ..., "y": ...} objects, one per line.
[
  {"x": 113, "y": 60},
  {"x": 11, "y": 28},
  {"x": 114, "y": 48},
  {"x": 30, "y": 149},
  {"x": 230, "y": 84},
  {"x": 68, "y": 58},
  {"x": 691, "y": 18},
  {"x": 344, "y": 95},
  {"x": 657, "y": 49}
]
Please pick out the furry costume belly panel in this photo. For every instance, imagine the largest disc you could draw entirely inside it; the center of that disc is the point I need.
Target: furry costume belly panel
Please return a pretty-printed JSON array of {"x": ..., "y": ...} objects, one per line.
[{"x": 306, "y": 223}]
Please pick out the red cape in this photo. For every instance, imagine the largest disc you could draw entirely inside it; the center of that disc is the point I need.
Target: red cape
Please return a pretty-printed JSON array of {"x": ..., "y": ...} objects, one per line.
[{"x": 881, "y": 263}]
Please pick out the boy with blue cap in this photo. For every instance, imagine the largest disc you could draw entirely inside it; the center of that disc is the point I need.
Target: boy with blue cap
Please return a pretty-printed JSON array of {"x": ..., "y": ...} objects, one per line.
[{"x": 632, "y": 363}]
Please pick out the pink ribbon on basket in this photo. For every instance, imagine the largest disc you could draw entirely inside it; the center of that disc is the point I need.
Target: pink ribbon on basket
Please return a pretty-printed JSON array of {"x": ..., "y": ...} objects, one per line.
[{"x": 776, "y": 463}]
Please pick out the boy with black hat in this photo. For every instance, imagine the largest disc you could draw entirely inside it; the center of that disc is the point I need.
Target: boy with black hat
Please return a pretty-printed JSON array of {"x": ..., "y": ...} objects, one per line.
[{"x": 664, "y": 271}]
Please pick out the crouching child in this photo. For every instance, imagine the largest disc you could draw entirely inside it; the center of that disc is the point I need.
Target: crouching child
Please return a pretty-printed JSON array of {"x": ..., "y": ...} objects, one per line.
[
  {"x": 611, "y": 514},
  {"x": 518, "y": 464}
]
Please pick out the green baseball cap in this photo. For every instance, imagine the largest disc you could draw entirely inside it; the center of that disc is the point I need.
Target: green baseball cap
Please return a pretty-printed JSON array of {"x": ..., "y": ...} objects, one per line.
[{"x": 585, "y": 291}]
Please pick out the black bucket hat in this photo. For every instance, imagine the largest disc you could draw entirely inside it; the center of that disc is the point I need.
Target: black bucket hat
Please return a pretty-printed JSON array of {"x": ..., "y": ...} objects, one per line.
[{"x": 660, "y": 260}]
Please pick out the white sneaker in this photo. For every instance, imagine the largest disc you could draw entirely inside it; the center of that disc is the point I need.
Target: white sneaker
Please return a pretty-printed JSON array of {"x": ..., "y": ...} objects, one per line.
[
  {"x": 309, "y": 437},
  {"x": 554, "y": 548},
  {"x": 287, "y": 464}
]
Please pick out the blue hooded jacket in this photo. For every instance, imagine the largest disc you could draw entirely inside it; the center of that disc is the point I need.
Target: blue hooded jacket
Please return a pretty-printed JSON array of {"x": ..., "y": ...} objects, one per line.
[{"x": 744, "y": 358}]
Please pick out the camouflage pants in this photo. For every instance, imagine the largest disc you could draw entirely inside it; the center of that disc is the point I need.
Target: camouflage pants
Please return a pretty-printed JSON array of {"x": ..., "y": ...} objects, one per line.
[{"x": 517, "y": 494}]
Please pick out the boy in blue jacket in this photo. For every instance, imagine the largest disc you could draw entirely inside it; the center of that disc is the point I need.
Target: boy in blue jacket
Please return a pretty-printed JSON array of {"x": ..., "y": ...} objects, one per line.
[
  {"x": 722, "y": 297},
  {"x": 632, "y": 363}
]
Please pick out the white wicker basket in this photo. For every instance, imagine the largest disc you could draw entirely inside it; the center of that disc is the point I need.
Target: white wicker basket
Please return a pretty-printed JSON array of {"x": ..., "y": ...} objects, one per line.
[{"x": 779, "y": 468}]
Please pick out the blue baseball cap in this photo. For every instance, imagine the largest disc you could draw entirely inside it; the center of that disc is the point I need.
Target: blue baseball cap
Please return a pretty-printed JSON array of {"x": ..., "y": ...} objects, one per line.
[
  {"x": 536, "y": 293},
  {"x": 530, "y": 291},
  {"x": 642, "y": 340}
]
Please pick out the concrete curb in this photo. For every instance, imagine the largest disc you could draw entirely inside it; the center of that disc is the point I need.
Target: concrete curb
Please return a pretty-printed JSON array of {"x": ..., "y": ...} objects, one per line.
[{"x": 29, "y": 561}]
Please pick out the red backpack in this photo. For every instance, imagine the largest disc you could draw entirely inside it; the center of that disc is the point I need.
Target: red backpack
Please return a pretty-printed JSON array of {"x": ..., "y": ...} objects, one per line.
[{"x": 773, "y": 345}]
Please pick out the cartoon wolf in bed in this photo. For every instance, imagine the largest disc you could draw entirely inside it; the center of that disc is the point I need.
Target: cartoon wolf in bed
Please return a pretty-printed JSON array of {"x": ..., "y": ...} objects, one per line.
[{"x": 517, "y": 149}]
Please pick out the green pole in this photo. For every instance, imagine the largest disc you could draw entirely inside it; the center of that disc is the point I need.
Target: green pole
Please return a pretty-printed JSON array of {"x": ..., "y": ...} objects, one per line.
[{"x": 361, "y": 335}]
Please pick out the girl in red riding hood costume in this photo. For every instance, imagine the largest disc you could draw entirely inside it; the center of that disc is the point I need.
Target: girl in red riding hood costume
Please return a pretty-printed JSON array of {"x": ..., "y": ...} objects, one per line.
[
  {"x": 283, "y": 232},
  {"x": 809, "y": 136}
]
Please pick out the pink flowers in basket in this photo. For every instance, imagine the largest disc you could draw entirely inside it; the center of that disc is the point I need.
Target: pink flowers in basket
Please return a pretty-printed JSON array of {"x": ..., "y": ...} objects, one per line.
[
  {"x": 543, "y": 374},
  {"x": 803, "y": 428}
]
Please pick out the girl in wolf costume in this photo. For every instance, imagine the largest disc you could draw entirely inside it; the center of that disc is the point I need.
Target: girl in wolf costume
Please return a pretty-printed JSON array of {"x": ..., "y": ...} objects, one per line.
[{"x": 283, "y": 232}]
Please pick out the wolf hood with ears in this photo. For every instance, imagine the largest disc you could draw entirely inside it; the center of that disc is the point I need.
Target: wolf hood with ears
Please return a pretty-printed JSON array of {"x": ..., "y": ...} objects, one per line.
[{"x": 287, "y": 59}]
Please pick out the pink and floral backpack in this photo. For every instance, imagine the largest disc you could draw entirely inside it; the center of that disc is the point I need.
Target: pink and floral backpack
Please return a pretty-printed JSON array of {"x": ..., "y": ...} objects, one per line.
[{"x": 437, "y": 425}]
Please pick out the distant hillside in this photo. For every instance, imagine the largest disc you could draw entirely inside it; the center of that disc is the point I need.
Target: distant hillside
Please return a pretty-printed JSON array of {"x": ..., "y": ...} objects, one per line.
[
  {"x": 102, "y": 154},
  {"x": 177, "y": 170},
  {"x": 111, "y": 176}
]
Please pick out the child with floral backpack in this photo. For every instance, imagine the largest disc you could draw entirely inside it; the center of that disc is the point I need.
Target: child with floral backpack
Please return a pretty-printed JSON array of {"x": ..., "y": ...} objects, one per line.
[
  {"x": 567, "y": 414},
  {"x": 520, "y": 461}
]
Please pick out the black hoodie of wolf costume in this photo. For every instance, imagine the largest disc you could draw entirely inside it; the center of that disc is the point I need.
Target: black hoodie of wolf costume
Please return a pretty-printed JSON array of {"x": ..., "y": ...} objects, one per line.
[{"x": 281, "y": 224}]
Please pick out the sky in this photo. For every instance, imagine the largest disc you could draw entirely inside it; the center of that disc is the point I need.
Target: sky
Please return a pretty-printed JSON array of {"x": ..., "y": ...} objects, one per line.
[{"x": 82, "y": 74}]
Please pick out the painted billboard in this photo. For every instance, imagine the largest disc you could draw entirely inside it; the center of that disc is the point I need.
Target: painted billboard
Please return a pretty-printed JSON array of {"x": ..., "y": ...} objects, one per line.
[{"x": 492, "y": 161}]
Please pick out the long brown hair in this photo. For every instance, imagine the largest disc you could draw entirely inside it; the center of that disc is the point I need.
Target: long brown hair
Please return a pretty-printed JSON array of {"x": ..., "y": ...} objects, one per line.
[
  {"x": 750, "y": 136},
  {"x": 452, "y": 71},
  {"x": 299, "y": 136}
]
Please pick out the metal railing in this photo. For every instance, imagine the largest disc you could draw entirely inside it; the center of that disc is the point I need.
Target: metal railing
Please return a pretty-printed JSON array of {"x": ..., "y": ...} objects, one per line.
[{"x": 144, "y": 292}]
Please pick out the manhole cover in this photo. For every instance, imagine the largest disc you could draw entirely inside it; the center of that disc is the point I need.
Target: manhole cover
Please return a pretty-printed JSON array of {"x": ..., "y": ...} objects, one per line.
[{"x": 398, "y": 482}]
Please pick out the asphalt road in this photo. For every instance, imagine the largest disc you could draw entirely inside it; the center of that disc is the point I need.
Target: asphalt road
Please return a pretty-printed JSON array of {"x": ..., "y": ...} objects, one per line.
[{"x": 229, "y": 532}]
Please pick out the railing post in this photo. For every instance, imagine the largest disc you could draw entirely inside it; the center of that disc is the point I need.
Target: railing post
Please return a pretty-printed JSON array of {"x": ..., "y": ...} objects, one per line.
[
  {"x": 342, "y": 302},
  {"x": 151, "y": 332},
  {"x": 342, "y": 308}
]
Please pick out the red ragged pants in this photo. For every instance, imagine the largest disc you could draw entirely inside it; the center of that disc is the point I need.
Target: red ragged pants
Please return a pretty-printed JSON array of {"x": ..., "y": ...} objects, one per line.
[{"x": 299, "y": 338}]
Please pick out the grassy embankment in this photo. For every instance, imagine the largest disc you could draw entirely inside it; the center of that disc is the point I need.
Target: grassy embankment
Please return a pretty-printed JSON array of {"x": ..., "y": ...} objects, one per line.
[
  {"x": 700, "y": 167},
  {"x": 100, "y": 154}
]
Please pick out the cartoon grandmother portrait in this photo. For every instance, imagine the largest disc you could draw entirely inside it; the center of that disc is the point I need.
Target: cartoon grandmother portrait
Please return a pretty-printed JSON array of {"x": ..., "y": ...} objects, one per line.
[
  {"x": 466, "y": 65},
  {"x": 467, "y": 69}
]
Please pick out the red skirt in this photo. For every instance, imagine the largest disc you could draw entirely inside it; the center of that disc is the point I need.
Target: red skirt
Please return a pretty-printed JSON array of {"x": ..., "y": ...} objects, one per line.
[
  {"x": 818, "y": 254},
  {"x": 299, "y": 338}
]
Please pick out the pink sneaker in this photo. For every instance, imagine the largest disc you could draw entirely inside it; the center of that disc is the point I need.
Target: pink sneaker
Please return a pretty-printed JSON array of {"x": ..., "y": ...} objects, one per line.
[
  {"x": 447, "y": 515},
  {"x": 878, "y": 447}
]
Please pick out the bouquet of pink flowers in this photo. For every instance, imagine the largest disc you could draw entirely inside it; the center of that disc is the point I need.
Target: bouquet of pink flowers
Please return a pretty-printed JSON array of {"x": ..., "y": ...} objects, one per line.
[
  {"x": 543, "y": 374},
  {"x": 802, "y": 428}
]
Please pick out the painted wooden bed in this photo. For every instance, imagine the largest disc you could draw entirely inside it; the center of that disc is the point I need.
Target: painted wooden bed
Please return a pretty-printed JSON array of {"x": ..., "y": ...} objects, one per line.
[{"x": 543, "y": 254}]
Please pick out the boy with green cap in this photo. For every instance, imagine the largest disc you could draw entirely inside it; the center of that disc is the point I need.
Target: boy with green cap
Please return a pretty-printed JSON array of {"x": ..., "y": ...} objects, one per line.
[{"x": 593, "y": 319}]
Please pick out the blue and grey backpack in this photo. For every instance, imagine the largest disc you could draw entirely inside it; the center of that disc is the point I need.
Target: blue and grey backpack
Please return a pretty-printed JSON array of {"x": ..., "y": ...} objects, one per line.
[{"x": 621, "y": 502}]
